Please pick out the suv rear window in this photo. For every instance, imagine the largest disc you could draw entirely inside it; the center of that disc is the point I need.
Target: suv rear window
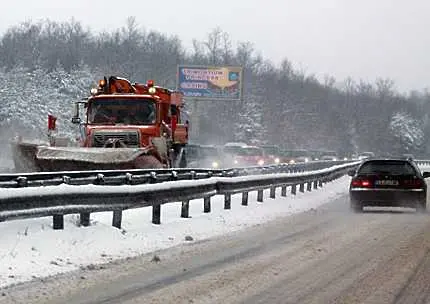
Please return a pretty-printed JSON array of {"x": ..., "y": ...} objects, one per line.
[{"x": 387, "y": 167}]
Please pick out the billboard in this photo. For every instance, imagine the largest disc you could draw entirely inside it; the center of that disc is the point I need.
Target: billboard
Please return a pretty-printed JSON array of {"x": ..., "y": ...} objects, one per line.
[{"x": 206, "y": 82}]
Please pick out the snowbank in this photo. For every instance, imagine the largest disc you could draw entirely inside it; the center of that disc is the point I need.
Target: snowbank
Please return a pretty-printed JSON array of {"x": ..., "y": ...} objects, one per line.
[{"x": 32, "y": 249}]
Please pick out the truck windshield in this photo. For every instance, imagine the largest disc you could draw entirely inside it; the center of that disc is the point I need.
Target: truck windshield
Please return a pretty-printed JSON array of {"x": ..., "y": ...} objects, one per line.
[{"x": 130, "y": 111}]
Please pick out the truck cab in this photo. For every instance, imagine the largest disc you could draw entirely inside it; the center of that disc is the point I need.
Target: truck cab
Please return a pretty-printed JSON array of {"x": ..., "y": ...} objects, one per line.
[{"x": 119, "y": 114}]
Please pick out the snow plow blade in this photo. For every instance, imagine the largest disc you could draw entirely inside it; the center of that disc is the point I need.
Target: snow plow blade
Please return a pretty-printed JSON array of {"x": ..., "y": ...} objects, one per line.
[{"x": 33, "y": 157}]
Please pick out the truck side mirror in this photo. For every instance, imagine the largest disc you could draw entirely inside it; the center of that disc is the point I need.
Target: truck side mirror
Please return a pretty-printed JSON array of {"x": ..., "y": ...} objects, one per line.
[{"x": 76, "y": 119}]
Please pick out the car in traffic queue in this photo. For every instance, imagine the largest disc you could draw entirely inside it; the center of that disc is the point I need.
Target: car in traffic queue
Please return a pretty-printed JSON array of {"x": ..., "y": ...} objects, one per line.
[
  {"x": 204, "y": 156},
  {"x": 329, "y": 155},
  {"x": 391, "y": 182},
  {"x": 410, "y": 156},
  {"x": 296, "y": 156},
  {"x": 365, "y": 155},
  {"x": 245, "y": 155},
  {"x": 273, "y": 154},
  {"x": 315, "y": 154}
]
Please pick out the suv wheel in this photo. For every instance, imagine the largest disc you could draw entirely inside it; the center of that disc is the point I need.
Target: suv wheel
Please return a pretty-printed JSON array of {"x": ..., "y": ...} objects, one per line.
[
  {"x": 356, "y": 207},
  {"x": 422, "y": 206}
]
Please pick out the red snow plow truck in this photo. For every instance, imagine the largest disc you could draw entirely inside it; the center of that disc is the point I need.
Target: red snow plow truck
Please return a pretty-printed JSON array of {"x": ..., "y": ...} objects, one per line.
[{"x": 126, "y": 126}]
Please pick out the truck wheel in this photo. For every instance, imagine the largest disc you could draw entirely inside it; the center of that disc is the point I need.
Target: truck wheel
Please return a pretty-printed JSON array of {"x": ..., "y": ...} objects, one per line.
[{"x": 422, "y": 207}]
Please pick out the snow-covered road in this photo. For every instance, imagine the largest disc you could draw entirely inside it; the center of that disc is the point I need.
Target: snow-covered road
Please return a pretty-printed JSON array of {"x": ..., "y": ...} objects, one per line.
[{"x": 32, "y": 249}]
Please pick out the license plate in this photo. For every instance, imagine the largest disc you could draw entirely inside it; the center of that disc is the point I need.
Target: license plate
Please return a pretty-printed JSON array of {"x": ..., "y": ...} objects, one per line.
[{"x": 387, "y": 183}]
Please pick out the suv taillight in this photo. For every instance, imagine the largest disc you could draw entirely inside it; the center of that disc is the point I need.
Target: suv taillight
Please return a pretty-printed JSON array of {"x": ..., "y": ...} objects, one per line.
[{"x": 360, "y": 183}]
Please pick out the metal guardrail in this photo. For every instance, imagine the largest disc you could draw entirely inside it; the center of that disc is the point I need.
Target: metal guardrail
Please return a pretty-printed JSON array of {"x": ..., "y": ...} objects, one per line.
[
  {"x": 128, "y": 177},
  {"x": 147, "y": 176},
  {"x": 423, "y": 162},
  {"x": 58, "y": 201}
]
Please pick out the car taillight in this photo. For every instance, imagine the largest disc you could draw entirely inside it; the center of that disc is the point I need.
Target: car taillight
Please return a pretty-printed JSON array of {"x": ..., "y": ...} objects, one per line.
[
  {"x": 413, "y": 183},
  {"x": 360, "y": 183}
]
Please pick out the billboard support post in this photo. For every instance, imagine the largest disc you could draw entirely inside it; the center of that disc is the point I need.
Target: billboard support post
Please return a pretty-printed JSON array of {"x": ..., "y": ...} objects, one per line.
[{"x": 195, "y": 120}]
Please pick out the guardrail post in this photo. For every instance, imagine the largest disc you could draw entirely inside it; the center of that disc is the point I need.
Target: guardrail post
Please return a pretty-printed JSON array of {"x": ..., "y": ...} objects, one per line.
[
  {"x": 153, "y": 177},
  {"x": 245, "y": 199},
  {"x": 273, "y": 192},
  {"x": 156, "y": 214},
  {"x": 260, "y": 196},
  {"x": 22, "y": 181},
  {"x": 174, "y": 175},
  {"x": 117, "y": 219},
  {"x": 284, "y": 191},
  {"x": 100, "y": 179},
  {"x": 315, "y": 184},
  {"x": 227, "y": 201},
  {"x": 309, "y": 186},
  {"x": 66, "y": 179},
  {"x": 128, "y": 179},
  {"x": 185, "y": 210},
  {"x": 58, "y": 221},
  {"x": 207, "y": 204},
  {"x": 293, "y": 189},
  {"x": 85, "y": 219},
  {"x": 302, "y": 187}
]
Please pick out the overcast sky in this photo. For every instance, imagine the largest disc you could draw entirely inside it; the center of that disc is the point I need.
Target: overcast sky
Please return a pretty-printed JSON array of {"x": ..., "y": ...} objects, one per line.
[{"x": 361, "y": 38}]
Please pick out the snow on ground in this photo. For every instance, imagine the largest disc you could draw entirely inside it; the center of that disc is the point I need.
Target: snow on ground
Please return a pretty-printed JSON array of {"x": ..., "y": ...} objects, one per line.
[{"x": 31, "y": 248}]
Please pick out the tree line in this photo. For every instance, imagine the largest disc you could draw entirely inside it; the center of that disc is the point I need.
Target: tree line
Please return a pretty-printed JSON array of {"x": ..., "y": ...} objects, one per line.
[{"x": 281, "y": 105}]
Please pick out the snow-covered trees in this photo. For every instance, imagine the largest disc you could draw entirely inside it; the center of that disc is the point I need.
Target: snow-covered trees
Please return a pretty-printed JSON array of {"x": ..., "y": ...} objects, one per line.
[
  {"x": 408, "y": 133},
  {"x": 46, "y": 66},
  {"x": 28, "y": 96}
]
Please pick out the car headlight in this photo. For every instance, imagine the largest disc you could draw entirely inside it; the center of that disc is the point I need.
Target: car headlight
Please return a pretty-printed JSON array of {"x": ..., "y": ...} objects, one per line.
[
  {"x": 306, "y": 160},
  {"x": 215, "y": 164},
  {"x": 261, "y": 162},
  {"x": 292, "y": 161},
  {"x": 277, "y": 160}
]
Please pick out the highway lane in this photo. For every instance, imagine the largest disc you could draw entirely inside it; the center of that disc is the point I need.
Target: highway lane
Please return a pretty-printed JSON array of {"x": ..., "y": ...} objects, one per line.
[{"x": 327, "y": 255}]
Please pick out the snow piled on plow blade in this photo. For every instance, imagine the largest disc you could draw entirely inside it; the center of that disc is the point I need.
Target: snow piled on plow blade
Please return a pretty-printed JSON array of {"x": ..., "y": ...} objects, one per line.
[
  {"x": 30, "y": 157},
  {"x": 93, "y": 155}
]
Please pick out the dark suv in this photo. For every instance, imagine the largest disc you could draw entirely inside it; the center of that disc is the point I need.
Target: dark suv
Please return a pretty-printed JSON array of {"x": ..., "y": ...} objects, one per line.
[{"x": 388, "y": 182}]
